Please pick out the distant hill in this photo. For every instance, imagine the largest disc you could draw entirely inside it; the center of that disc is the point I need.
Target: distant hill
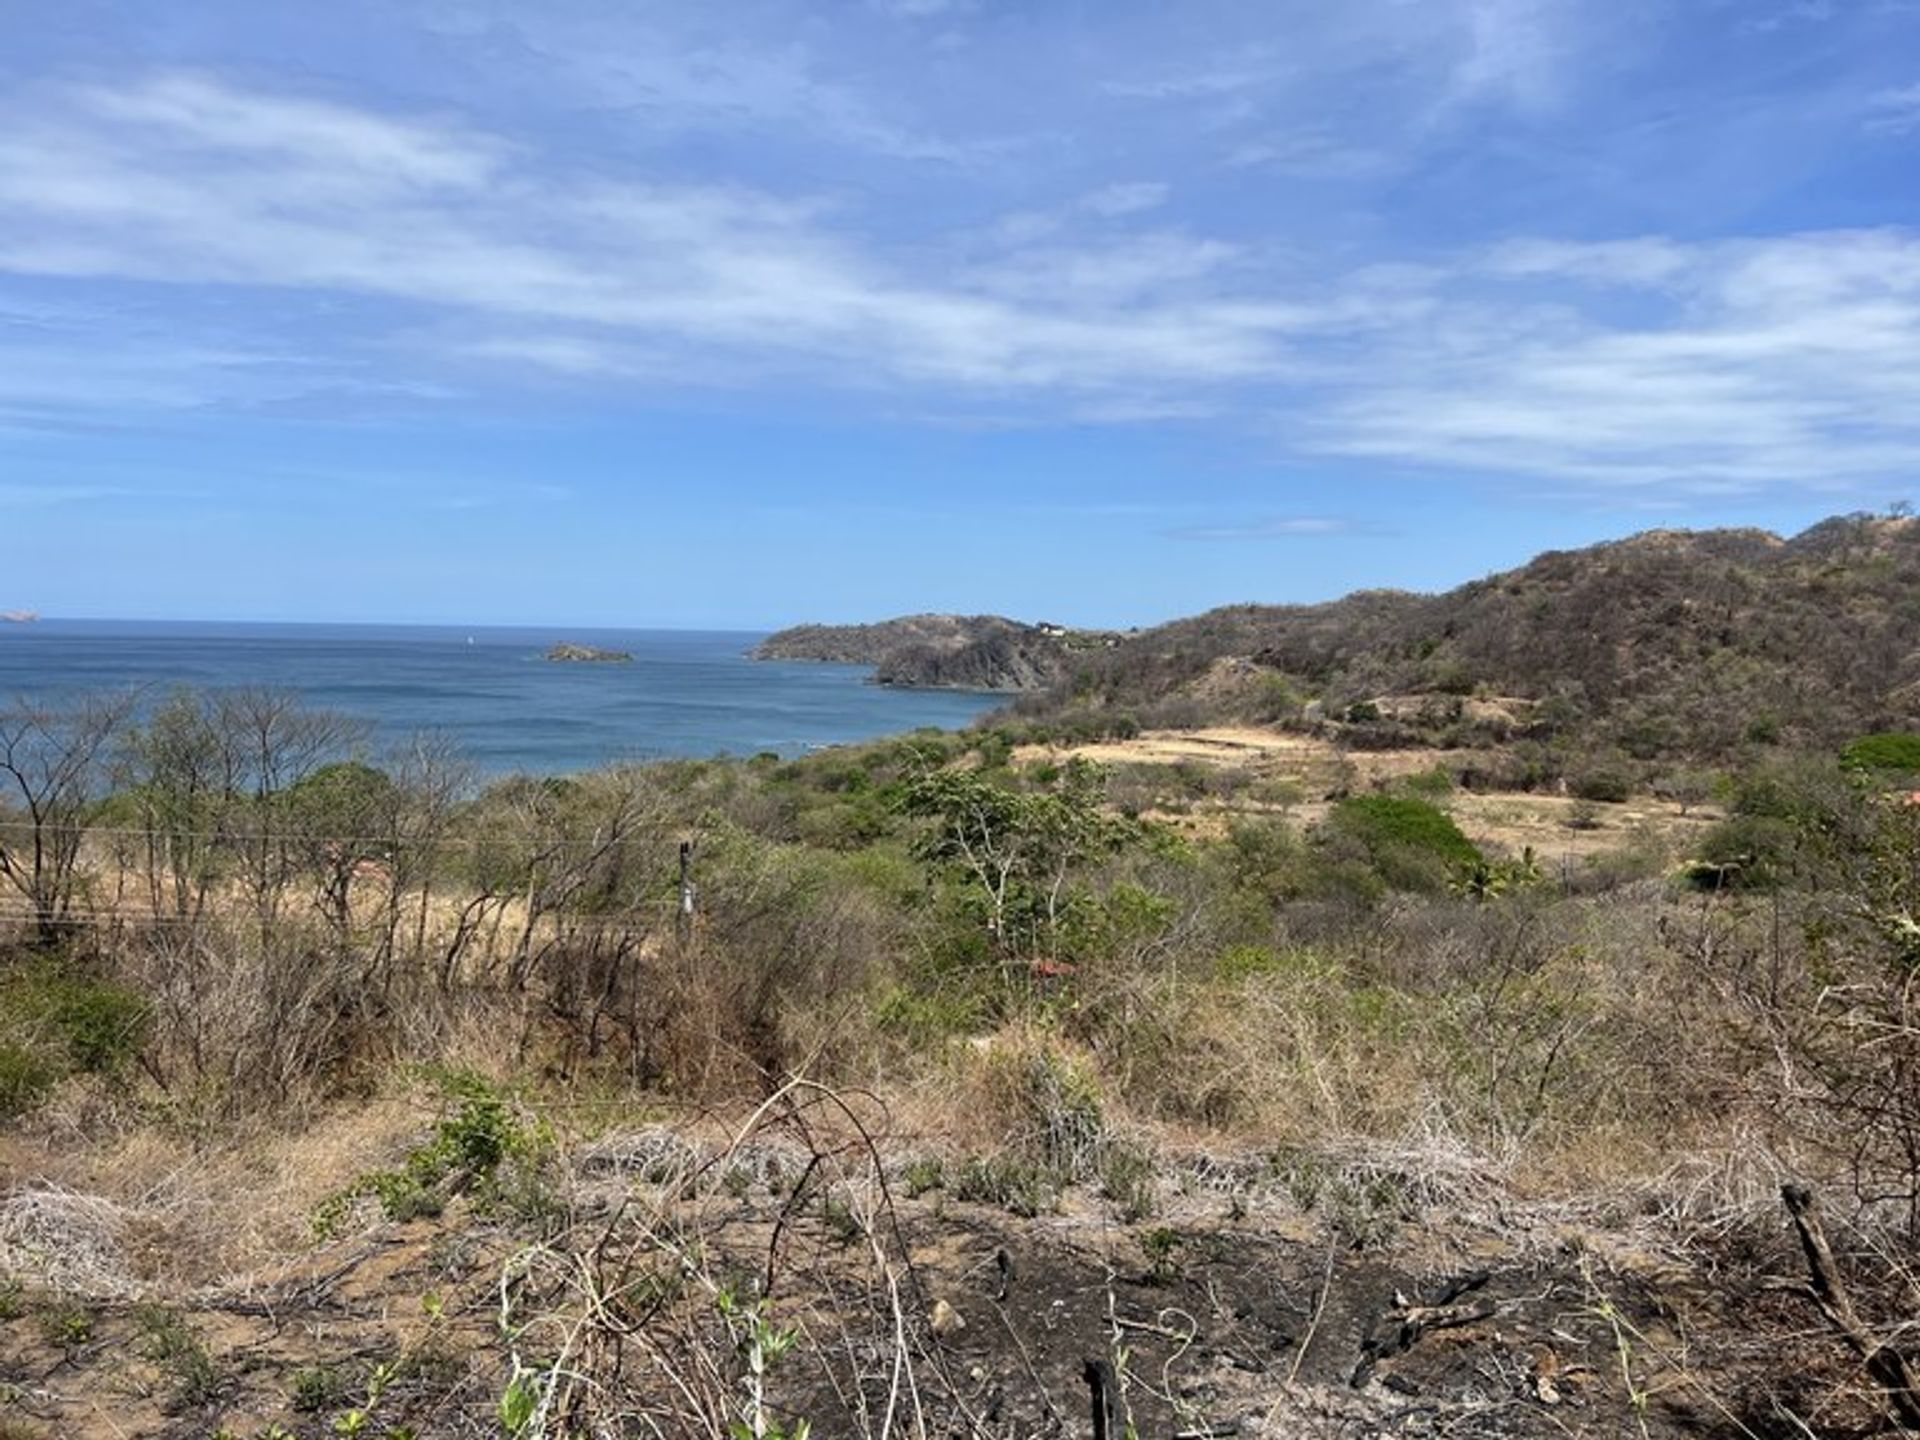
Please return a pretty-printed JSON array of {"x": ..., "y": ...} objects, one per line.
[
  {"x": 1669, "y": 643},
  {"x": 961, "y": 652}
]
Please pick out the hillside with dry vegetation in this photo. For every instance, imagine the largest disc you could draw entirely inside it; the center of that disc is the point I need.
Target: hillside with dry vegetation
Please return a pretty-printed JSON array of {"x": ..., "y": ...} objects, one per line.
[
  {"x": 1671, "y": 644},
  {"x": 943, "y": 652},
  {"x": 1327, "y": 1050}
]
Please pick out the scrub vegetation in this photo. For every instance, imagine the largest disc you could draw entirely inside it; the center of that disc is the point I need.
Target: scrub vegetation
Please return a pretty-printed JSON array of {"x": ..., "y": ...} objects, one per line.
[{"x": 1267, "y": 1073}]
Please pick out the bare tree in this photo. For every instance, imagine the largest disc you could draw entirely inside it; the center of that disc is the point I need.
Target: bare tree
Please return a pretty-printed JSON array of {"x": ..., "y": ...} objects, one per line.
[
  {"x": 52, "y": 762},
  {"x": 275, "y": 744}
]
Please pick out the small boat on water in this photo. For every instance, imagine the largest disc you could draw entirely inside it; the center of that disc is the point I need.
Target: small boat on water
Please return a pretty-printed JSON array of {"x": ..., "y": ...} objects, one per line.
[{"x": 18, "y": 617}]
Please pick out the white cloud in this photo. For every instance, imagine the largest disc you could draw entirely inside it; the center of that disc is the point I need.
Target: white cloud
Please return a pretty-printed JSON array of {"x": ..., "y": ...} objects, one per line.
[
  {"x": 1648, "y": 261},
  {"x": 1894, "y": 112},
  {"x": 1515, "y": 50},
  {"x": 1309, "y": 156},
  {"x": 1127, "y": 198},
  {"x": 195, "y": 112},
  {"x": 219, "y": 195},
  {"x": 1295, "y": 527},
  {"x": 1209, "y": 83},
  {"x": 679, "y": 75},
  {"x": 1789, "y": 362},
  {"x": 441, "y": 254},
  {"x": 1799, "y": 12},
  {"x": 15, "y": 496},
  {"x": 922, "y": 9}
]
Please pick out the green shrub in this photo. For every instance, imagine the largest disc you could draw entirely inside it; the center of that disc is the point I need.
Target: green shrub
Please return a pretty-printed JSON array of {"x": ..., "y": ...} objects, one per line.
[
  {"x": 315, "y": 1388},
  {"x": 1127, "y": 1179},
  {"x": 1746, "y": 852},
  {"x": 102, "y": 1026},
  {"x": 1429, "y": 784},
  {"x": 1242, "y": 962},
  {"x": 26, "y": 1078},
  {"x": 1603, "y": 783},
  {"x": 67, "y": 1326},
  {"x": 169, "y": 1343},
  {"x": 922, "y": 1175},
  {"x": 1892, "y": 751},
  {"x": 469, "y": 1152},
  {"x": 1021, "y": 1187},
  {"x": 61, "y": 1024},
  {"x": 1410, "y": 843}
]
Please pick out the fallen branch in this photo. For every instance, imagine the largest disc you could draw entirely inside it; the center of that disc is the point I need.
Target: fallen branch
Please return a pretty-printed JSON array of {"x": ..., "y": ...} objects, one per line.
[
  {"x": 1401, "y": 1327},
  {"x": 1888, "y": 1367}
]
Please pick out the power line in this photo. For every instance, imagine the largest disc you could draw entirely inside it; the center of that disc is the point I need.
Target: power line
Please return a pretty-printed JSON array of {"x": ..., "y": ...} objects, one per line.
[
  {"x": 597, "y": 925},
  {"x": 243, "y": 837}
]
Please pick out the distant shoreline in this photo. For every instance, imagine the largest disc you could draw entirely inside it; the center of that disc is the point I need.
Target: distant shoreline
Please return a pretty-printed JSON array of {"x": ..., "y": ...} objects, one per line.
[{"x": 686, "y": 694}]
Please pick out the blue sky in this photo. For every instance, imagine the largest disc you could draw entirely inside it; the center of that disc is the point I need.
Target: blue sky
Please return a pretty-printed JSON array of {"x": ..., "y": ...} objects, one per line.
[{"x": 743, "y": 314}]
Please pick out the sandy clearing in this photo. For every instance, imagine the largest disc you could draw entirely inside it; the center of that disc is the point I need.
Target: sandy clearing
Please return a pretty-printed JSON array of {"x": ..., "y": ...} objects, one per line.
[{"x": 1503, "y": 822}]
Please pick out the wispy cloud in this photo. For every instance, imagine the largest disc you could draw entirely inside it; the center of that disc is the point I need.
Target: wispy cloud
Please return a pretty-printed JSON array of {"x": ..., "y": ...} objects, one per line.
[
  {"x": 220, "y": 192},
  {"x": 1796, "y": 13},
  {"x": 1791, "y": 362},
  {"x": 1644, "y": 262},
  {"x": 1309, "y": 156},
  {"x": 1516, "y": 51},
  {"x": 1894, "y": 112},
  {"x": 922, "y": 9},
  {"x": 1209, "y": 83},
  {"x": 16, "y": 496},
  {"x": 1126, "y": 198},
  {"x": 440, "y": 255},
  {"x": 1295, "y": 527},
  {"x": 681, "y": 78}
]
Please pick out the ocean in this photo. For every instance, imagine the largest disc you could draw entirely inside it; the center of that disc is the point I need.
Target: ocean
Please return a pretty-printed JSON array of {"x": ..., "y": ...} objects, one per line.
[{"x": 491, "y": 691}]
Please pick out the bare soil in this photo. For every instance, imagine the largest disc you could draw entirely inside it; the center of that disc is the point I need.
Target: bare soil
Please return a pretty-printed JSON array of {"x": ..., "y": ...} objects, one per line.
[
  {"x": 1232, "y": 1311},
  {"x": 1555, "y": 827}
]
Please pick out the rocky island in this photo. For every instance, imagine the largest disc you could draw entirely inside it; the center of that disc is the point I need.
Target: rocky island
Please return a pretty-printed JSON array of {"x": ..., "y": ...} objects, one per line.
[
  {"x": 951, "y": 652},
  {"x": 568, "y": 653}
]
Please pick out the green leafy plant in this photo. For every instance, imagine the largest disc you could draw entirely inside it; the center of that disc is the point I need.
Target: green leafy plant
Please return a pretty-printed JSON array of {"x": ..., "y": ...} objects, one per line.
[
  {"x": 1127, "y": 1179},
  {"x": 467, "y": 1154},
  {"x": 520, "y": 1401},
  {"x": 760, "y": 1344},
  {"x": 1162, "y": 1246},
  {"x": 1022, "y": 1187},
  {"x": 316, "y": 1387},
  {"x": 66, "y": 1326},
  {"x": 922, "y": 1175},
  {"x": 170, "y": 1344}
]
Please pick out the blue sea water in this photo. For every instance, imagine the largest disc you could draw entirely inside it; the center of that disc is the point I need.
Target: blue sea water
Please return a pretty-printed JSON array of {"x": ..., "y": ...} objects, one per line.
[{"x": 492, "y": 691}]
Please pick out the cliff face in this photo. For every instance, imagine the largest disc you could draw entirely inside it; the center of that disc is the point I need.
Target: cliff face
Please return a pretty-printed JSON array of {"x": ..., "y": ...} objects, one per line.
[
  {"x": 955, "y": 652},
  {"x": 1024, "y": 661}
]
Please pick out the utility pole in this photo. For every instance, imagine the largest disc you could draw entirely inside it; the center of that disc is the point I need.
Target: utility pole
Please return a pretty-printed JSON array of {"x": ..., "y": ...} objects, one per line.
[{"x": 688, "y": 890}]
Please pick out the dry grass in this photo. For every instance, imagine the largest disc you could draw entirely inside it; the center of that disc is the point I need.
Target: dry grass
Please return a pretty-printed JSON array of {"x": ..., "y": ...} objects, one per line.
[
  {"x": 1265, "y": 761},
  {"x": 65, "y": 1241},
  {"x": 144, "y": 1210}
]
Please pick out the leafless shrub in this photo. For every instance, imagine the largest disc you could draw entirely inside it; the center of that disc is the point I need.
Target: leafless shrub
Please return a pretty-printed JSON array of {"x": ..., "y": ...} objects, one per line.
[{"x": 65, "y": 1241}]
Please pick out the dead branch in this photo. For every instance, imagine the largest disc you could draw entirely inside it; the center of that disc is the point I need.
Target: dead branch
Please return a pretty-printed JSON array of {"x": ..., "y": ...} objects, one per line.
[{"x": 1889, "y": 1368}]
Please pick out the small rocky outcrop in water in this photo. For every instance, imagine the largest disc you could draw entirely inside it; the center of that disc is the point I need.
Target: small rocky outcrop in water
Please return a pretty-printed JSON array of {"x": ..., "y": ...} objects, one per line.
[{"x": 566, "y": 652}]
